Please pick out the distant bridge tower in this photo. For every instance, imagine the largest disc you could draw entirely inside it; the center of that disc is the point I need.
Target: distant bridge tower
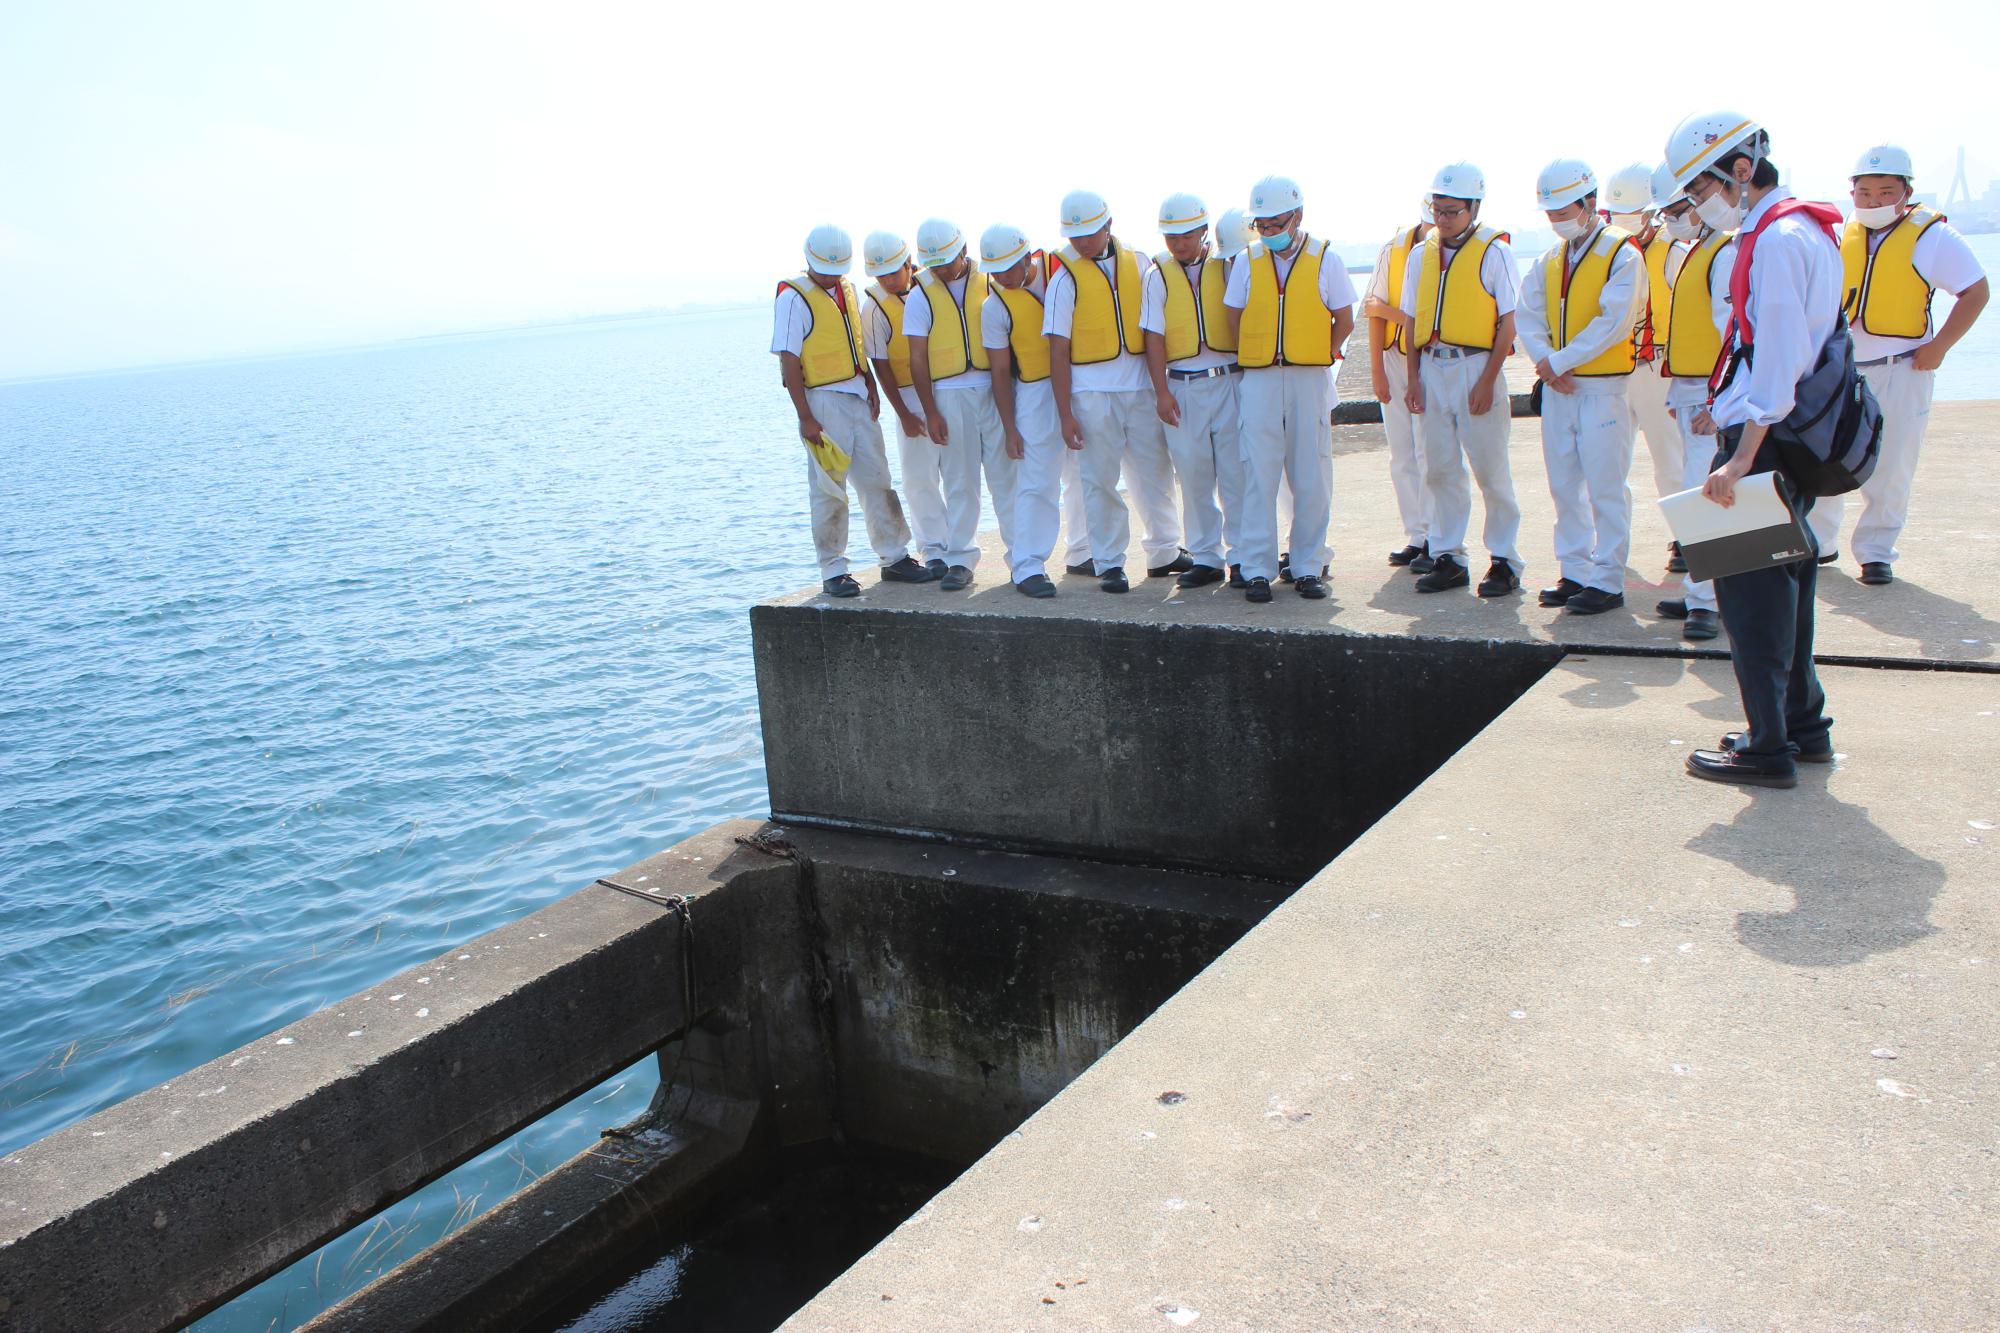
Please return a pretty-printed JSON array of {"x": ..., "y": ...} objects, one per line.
[{"x": 1958, "y": 194}]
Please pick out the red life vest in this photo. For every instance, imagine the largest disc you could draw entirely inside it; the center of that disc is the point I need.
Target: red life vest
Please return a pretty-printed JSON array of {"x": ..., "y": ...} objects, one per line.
[{"x": 1740, "y": 334}]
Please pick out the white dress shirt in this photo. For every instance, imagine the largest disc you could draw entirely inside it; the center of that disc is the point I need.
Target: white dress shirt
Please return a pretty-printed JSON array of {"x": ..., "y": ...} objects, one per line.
[
  {"x": 789, "y": 320},
  {"x": 1795, "y": 278},
  {"x": 1942, "y": 259},
  {"x": 1125, "y": 372},
  {"x": 1618, "y": 312},
  {"x": 917, "y": 324},
  {"x": 1155, "y": 311}
]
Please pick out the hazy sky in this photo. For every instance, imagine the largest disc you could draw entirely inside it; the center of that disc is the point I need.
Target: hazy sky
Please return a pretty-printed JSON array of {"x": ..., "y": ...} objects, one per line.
[{"x": 180, "y": 180}]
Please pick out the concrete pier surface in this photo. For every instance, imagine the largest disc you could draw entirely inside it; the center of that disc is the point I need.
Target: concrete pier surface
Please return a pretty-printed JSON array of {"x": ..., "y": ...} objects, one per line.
[
  {"x": 1567, "y": 1039},
  {"x": 1943, "y": 608}
]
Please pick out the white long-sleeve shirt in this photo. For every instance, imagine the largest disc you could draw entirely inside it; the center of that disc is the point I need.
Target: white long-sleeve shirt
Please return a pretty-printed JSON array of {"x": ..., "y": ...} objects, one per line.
[
  {"x": 1795, "y": 278},
  {"x": 1618, "y": 312}
]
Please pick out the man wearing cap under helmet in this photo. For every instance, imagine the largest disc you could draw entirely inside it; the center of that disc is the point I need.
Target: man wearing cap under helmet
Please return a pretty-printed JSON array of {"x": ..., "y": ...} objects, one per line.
[
  {"x": 1896, "y": 254},
  {"x": 1011, "y": 324},
  {"x": 887, "y": 260}
]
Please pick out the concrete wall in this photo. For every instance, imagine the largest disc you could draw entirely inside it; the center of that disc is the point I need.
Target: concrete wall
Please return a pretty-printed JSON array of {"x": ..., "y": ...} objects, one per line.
[{"x": 1244, "y": 752}]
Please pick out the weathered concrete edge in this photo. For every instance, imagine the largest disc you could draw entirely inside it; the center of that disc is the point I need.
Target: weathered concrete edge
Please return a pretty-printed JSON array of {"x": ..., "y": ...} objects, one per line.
[{"x": 212, "y": 1181}]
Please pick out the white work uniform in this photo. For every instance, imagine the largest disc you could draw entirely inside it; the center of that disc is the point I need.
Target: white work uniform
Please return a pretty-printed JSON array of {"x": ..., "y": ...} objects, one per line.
[
  {"x": 1943, "y": 260},
  {"x": 1113, "y": 402},
  {"x": 1406, "y": 464},
  {"x": 1587, "y": 435},
  {"x": 1207, "y": 445},
  {"x": 1039, "y": 474},
  {"x": 842, "y": 410},
  {"x": 1688, "y": 394},
  {"x": 973, "y": 439},
  {"x": 920, "y": 460},
  {"x": 1452, "y": 436},
  {"x": 1288, "y": 433},
  {"x": 1646, "y": 394}
]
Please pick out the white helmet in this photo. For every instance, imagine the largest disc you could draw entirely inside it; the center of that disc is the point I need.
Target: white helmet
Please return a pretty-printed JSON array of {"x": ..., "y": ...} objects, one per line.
[
  {"x": 1700, "y": 141},
  {"x": 1665, "y": 189},
  {"x": 1181, "y": 214},
  {"x": 1563, "y": 182},
  {"x": 1232, "y": 233},
  {"x": 1275, "y": 196},
  {"x": 1001, "y": 247},
  {"x": 1084, "y": 213},
  {"x": 828, "y": 250},
  {"x": 1459, "y": 180},
  {"x": 1884, "y": 160},
  {"x": 883, "y": 253},
  {"x": 1630, "y": 189},
  {"x": 938, "y": 243}
]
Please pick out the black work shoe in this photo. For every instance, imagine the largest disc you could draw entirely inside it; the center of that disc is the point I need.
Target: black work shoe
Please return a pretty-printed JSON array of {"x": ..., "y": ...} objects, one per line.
[
  {"x": 1561, "y": 593},
  {"x": 956, "y": 579},
  {"x": 1446, "y": 573},
  {"x": 1114, "y": 580},
  {"x": 1728, "y": 766},
  {"x": 1199, "y": 576},
  {"x": 1676, "y": 562},
  {"x": 1593, "y": 601},
  {"x": 1405, "y": 556},
  {"x": 1236, "y": 579},
  {"x": 1284, "y": 566},
  {"x": 1311, "y": 588},
  {"x": 938, "y": 568},
  {"x": 1259, "y": 591},
  {"x": 1036, "y": 585},
  {"x": 1086, "y": 567},
  {"x": 907, "y": 570},
  {"x": 1830, "y": 558},
  {"x": 1876, "y": 573},
  {"x": 1423, "y": 564},
  {"x": 1180, "y": 564},
  {"x": 1674, "y": 608},
  {"x": 1701, "y": 625},
  {"x": 1732, "y": 741},
  {"x": 1500, "y": 580},
  {"x": 841, "y": 585}
]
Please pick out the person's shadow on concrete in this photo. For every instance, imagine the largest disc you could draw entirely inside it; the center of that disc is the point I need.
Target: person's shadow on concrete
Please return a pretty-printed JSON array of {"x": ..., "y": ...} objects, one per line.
[
  {"x": 1858, "y": 891},
  {"x": 1937, "y": 623}
]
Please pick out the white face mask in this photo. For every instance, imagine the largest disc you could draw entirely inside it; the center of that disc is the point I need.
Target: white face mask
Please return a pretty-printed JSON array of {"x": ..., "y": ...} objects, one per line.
[
  {"x": 1718, "y": 212},
  {"x": 1570, "y": 228},
  {"x": 1874, "y": 218},
  {"x": 1682, "y": 226},
  {"x": 1632, "y": 222}
]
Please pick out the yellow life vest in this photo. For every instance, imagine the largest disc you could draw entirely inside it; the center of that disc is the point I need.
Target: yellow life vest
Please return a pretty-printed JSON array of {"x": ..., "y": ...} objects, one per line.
[
  {"x": 1107, "y": 315},
  {"x": 1575, "y": 297},
  {"x": 955, "y": 345},
  {"x": 1694, "y": 344},
  {"x": 1025, "y": 339},
  {"x": 1885, "y": 293},
  {"x": 1399, "y": 255},
  {"x": 1286, "y": 324},
  {"x": 891, "y": 306},
  {"x": 1195, "y": 322},
  {"x": 1453, "y": 305},
  {"x": 832, "y": 350},
  {"x": 1659, "y": 293}
]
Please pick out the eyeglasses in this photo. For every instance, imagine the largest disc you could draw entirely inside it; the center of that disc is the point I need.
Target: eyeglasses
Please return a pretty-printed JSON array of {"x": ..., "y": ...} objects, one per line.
[
  {"x": 1449, "y": 214},
  {"x": 1272, "y": 226}
]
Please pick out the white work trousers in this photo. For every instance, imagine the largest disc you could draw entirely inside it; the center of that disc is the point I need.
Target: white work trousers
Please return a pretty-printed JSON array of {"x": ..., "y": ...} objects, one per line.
[
  {"x": 1905, "y": 395},
  {"x": 923, "y": 491},
  {"x": 1406, "y": 466},
  {"x": 1697, "y": 460},
  {"x": 1107, "y": 420},
  {"x": 1587, "y": 448},
  {"x": 1076, "y": 522},
  {"x": 1037, "y": 501},
  {"x": 1452, "y": 437},
  {"x": 1207, "y": 449},
  {"x": 1149, "y": 480},
  {"x": 1287, "y": 437},
  {"x": 1646, "y": 396},
  {"x": 973, "y": 440},
  {"x": 844, "y": 417}
]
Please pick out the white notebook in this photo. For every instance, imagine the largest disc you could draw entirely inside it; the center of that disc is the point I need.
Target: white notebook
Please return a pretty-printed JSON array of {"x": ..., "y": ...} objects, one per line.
[{"x": 1758, "y": 531}]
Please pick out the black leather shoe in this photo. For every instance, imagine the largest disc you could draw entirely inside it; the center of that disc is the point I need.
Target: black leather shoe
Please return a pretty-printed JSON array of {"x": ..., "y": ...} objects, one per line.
[
  {"x": 938, "y": 568},
  {"x": 957, "y": 579},
  {"x": 1675, "y": 608},
  {"x": 1561, "y": 593},
  {"x": 1259, "y": 591},
  {"x": 1701, "y": 625},
  {"x": 1876, "y": 573},
  {"x": 907, "y": 570},
  {"x": 1311, "y": 588},
  {"x": 1180, "y": 564},
  {"x": 1087, "y": 567},
  {"x": 1829, "y": 559},
  {"x": 1406, "y": 555},
  {"x": 1236, "y": 579},
  {"x": 1676, "y": 563},
  {"x": 1593, "y": 601},
  {"x": 841, "y": 585},
  {"x": 1732, "y": 741},
  {"x": 1446, "y": 573},
  {"x": 1199, "y": 576},
  {"x": 1114, "y": 580},
  {"x": 1423, "y": 564},
  {"x": 1500, "y": 580},
  {"x": 1036, "y": 585},
  {"x": 1728, "y": 766},
  {"x": 1284, "y": 566}
]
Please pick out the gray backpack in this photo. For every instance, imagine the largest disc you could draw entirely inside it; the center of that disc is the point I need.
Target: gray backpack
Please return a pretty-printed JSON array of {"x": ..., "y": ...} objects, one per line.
[{"x": 1829, "y": 443}]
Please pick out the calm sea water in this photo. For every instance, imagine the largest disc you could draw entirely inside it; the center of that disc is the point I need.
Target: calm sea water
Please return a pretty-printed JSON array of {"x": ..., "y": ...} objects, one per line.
[{"x": 314, "y": 667}]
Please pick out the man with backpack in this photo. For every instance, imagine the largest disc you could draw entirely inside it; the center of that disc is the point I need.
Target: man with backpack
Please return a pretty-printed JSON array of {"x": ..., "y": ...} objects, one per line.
[{"x": 1785, "y": 299}]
